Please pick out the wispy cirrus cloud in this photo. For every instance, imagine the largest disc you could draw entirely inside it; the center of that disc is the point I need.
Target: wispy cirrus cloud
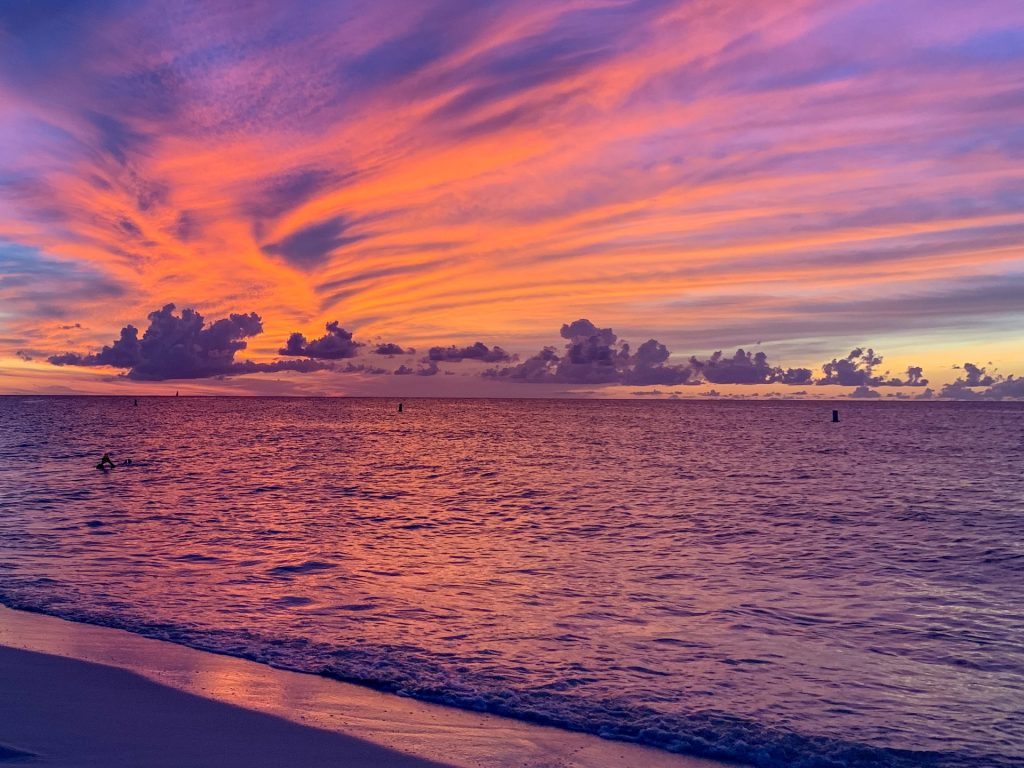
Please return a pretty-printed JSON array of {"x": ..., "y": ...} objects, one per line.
[{"x": 708, "y": 176}]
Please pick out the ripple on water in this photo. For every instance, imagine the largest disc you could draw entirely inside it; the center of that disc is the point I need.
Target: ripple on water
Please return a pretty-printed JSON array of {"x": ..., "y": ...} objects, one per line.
[{"x": 739, "y": 580}]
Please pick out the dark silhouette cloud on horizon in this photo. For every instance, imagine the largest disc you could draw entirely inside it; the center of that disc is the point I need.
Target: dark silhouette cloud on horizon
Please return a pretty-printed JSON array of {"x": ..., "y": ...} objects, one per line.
[
  {"x": 864, "y": 392},
  {"x": 854, "y": 370},
  {"x": 747, "y": 368},
  {"x": 184, "y": 347},
  {"x": 336, "y": 344},
  {"x": 976, "y": 376},
  {"x": 857, "y": 370},
  {"x": 478, "y": 351},
  {"x": 992, "y": 386},
  {"x": 594, "y": 355},
  {"x": 389, "y": 349},
  {"x": 430, "y": 369},
  {"x": 362, "y": 368}
]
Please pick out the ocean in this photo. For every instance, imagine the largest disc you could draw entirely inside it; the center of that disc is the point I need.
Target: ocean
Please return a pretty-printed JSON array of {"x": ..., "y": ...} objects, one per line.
[{"x": 733, "y": 579}]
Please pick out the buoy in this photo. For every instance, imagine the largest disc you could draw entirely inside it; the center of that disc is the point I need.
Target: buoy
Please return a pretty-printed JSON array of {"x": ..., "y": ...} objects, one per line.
[
  {"x": 835, "y": 417},
  {"x": 401, "y": 407}
]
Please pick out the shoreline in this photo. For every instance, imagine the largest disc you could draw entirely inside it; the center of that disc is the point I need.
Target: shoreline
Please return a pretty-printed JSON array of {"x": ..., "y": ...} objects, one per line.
[{"x": 316, "y": 720}]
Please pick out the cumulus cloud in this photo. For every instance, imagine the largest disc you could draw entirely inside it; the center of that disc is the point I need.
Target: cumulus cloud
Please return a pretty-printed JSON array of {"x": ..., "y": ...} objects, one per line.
[
  {"x": 649, "y": 366},
  {"x": 915, "y": 377},
  {"x": 184, "y": 347},
  {"x": 977, "y": 383},
  {"x": 390, "y": 349},
  {"x": 857, "y": 369},
  {"x": 747, "y": 368},
  {"x": 361, "y": 368},
  {"x": 125, "y": 352},
  {"x": 1010, "y": 387},
  {"x": 478, "y": 351},
  {"x": 536, "y": 369},
  {"x": 864, "y": 393},
  {"x": 596, "y": 356},
  {"x": 336, "y": 344},
  {"x": 592, "y": 356},
  {"x": 854, "y": 370},
  {"x": 430, "y": 369},
  {"x": 976, "y": 376}
]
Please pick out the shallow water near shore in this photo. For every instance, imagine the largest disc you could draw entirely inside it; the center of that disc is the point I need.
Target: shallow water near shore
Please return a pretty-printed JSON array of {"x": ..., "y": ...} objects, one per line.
[{"x": 740, "y": 580}]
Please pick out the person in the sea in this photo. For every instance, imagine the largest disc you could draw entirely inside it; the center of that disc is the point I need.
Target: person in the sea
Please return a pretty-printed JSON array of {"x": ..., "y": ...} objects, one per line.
[{"x": 105, "y": 462}]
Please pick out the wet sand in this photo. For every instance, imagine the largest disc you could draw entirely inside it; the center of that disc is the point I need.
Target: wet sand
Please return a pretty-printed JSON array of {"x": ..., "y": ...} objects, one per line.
[
  {"x": 81, "y": 695},
  {"x": 67, "y": 712}
]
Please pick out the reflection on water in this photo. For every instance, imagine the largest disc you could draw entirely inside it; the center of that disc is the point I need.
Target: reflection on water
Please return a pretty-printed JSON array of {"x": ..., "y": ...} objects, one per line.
[{"x": 733, "y": 579}]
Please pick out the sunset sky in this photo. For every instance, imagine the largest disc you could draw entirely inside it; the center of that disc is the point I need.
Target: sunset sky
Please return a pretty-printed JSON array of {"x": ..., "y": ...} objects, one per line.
[{"x": 800, "y": 178}]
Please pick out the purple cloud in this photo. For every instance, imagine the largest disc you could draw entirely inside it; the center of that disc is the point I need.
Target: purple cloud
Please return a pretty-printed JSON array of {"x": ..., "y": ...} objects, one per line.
[
  {"x": 854, "y": 370},
  {"x": 336, "y": 344},
  {"x": 537, "y": 369},
  {"x": 478, "y": 351},
  {"x": 595, "y": 356},
  {"x": 311, "y": 246},
  {"x": 976, "y": 377},
  {"x": 390, "y": 349},
  {"x": 184, "y": 347},
  {"x": 125, "y": 352},
  {"x": 430, "y": 369},
  {"x": 864, "y": 393},
  {"x": 361, "y": 368}
]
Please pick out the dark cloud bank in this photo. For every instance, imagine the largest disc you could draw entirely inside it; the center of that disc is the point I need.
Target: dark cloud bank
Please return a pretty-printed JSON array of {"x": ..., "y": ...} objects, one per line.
[
  {"x": 996, "y": 387},
  {"x": 477, "y": 351},
  {"x": 595, "y": 355},
  {"x": 185, "y": 347},
  {"x": 336, "y": 344}
]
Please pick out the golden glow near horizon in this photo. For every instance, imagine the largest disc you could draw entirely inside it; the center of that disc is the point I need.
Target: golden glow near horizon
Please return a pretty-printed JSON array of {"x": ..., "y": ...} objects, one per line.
[{"x": 800, "y": 179}]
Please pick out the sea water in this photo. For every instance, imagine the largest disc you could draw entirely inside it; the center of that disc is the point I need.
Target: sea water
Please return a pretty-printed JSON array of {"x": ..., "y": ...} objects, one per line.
[{"x": 741, "y": 580}]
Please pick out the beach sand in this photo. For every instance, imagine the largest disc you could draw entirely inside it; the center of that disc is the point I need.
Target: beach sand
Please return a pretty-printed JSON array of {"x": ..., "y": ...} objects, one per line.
[
  {"x": 82, "y": 695},
  {"x": 76, "y": 713}
]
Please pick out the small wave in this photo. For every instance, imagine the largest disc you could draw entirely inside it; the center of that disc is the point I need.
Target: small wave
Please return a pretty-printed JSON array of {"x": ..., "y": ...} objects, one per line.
[
  {"x": 310, "y": 566},
  {"x": 292, "y": 601},
  {"x": 194, "y": 558},
  {"x": 414, "y": 672}
]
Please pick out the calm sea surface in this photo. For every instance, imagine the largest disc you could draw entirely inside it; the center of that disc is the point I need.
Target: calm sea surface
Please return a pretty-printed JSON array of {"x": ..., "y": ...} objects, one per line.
[{"x": 734, "y": 579}]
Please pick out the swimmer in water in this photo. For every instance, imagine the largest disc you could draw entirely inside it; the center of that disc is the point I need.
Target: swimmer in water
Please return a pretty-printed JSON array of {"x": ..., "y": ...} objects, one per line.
[{"x": 105, "y": 462}]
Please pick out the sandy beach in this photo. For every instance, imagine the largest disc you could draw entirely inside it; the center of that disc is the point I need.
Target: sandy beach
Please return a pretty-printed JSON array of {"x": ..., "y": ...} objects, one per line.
[
  {"x": 76, "y": 713},
  {"x": 81, "y": 695}
]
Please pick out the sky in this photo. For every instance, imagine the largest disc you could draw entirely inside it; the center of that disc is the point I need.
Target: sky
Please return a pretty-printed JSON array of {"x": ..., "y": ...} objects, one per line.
[{"x": 513, "y": 198}]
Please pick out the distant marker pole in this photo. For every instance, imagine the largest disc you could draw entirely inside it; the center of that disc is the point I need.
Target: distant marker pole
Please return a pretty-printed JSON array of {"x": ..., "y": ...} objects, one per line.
[
  {"x": 401, "y": 407},
  {"x": 835, "y": 417}
]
